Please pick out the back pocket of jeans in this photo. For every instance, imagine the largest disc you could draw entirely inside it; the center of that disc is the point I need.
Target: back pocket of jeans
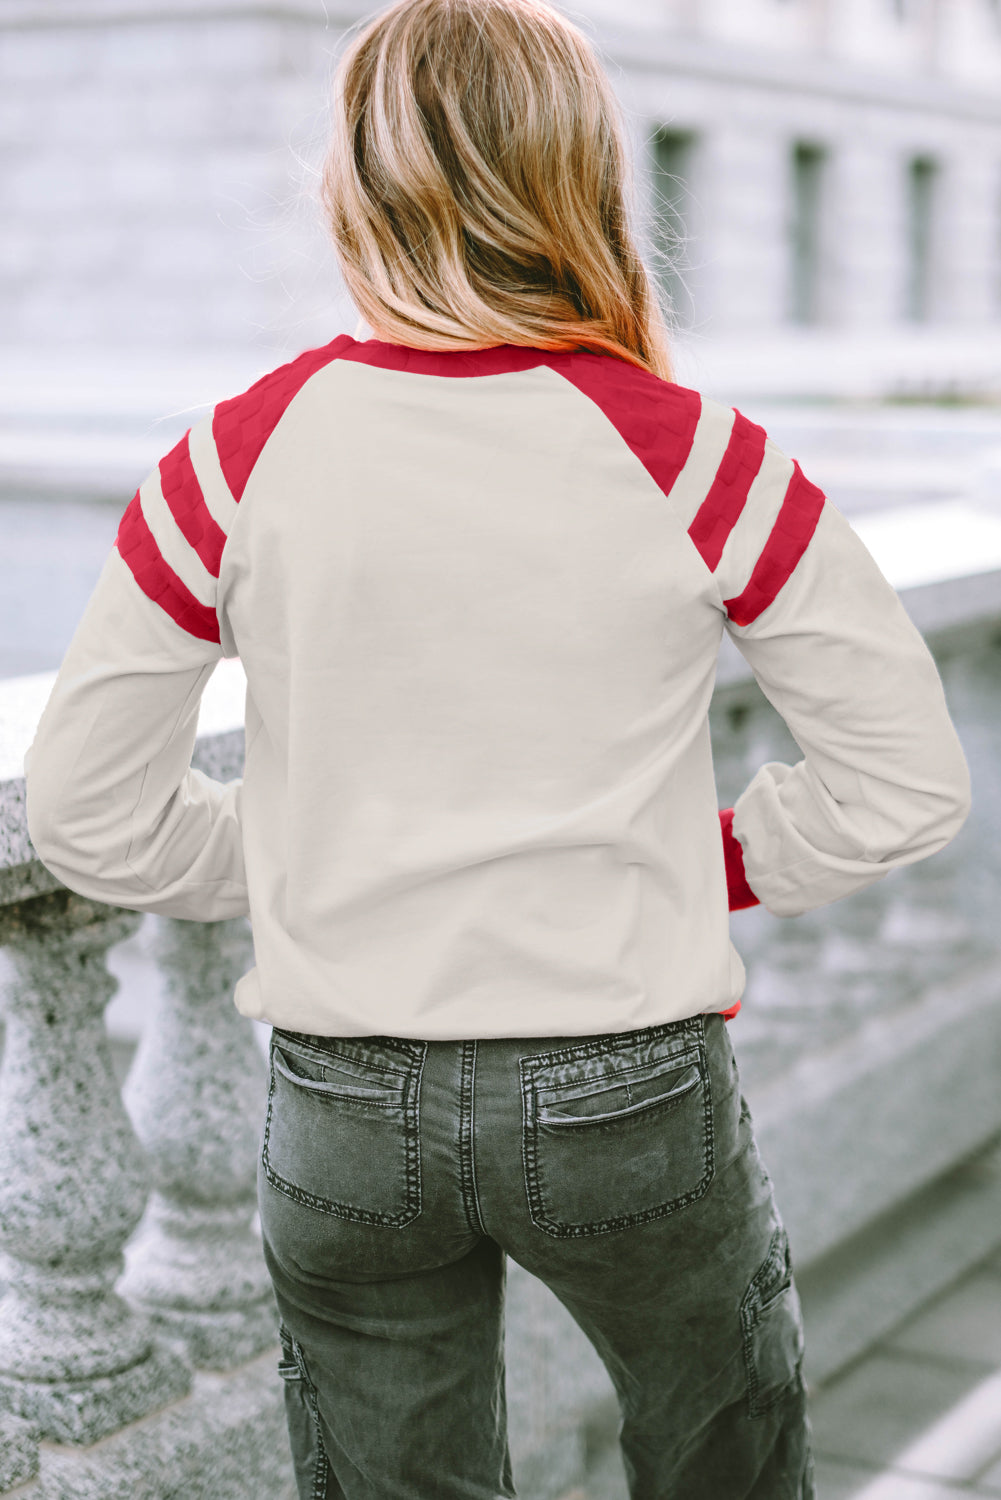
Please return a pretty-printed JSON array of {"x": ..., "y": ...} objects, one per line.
[
  {"x": 616, "y": 1137},
  {"x": 772, "y": 1326},
  {"x": 341, "y": 1134}
]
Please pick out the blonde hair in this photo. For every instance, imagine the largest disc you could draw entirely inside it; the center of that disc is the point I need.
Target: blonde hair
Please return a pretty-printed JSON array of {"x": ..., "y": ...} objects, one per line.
[{"x": 474, "y": 185}]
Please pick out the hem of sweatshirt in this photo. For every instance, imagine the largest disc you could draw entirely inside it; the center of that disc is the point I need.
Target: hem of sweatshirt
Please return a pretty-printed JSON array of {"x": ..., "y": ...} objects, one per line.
[{"x": 249, "y": 1002}]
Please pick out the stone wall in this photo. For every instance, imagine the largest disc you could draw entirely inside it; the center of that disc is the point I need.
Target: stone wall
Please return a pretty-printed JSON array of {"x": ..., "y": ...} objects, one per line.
[{"x": 154, "y": 174}]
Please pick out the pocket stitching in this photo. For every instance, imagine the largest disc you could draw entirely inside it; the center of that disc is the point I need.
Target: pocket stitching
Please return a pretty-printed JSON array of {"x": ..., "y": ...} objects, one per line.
[
  {"x": 685, "y": 1061},
  {"x": 412, "y": 1165},
  {"x": 555, "y": 1228},
  {"x": 292, "y": 1041},
  {"x": 321, "y": 1086}
]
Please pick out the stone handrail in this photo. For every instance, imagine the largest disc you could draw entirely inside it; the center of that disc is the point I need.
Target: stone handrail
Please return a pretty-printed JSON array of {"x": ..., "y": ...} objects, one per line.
[{"x": 138, "y": 1310}]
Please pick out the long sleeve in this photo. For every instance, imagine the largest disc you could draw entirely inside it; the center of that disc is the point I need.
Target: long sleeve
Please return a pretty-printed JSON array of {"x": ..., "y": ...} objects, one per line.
[
  {"x": 883, "y": 781},
  {"x": 114, "y": 808}
]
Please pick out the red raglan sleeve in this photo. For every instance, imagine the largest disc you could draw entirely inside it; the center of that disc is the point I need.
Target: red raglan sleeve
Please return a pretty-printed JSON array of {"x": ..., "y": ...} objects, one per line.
[
  {"x": 883, "y": 781},
  {"x": 114, "y": 808}
]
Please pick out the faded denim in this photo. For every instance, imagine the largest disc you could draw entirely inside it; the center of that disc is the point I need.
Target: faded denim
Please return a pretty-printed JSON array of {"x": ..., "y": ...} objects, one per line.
[{"x": 395, "y": 1177}]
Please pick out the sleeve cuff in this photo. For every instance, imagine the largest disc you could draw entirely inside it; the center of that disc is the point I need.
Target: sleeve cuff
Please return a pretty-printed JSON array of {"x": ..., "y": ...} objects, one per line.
[{"x": 738, "y": 890}]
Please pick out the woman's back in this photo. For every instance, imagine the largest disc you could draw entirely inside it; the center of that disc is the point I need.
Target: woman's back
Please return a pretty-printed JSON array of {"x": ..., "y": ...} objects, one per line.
[
  {"x": 479, "y": 598},
  {"x": 480, "y": 650}
]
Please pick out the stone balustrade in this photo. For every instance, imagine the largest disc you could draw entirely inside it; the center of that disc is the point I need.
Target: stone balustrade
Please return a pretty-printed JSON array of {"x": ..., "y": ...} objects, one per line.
[{"x": 137, "y": 1332}]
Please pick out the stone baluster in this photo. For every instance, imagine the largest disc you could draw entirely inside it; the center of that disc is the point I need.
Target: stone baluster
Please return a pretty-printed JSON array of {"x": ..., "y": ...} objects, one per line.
[
  {"x": 75, "y": 1360},
  {"x": 197, "y": 1092}
]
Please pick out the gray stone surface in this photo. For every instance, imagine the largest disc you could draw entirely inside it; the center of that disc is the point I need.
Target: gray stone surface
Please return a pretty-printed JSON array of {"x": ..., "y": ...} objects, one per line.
[
  {"x": 877, "y": 1410},
  {"x": 18, "y": 1451},
  {"x": 225, "y": 1441},
  {"x": 196, "y": 1094},
  {"x": 73, "y": 1358},
  {"x": 964, "y": 1322},
  {"x": 868, "y": 1283},
  {"x": 847, "y": 1131}
]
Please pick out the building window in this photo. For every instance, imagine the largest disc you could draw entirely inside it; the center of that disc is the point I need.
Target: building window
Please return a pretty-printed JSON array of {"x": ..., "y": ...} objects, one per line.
[
  {"x": 922, "y": 192},
  {"x": 673, "y": 158},
  {"x": 805, "y": 231}
]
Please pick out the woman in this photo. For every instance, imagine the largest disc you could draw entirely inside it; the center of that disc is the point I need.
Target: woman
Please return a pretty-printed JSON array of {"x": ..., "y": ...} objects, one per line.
[{"x": 477, "y": 569}]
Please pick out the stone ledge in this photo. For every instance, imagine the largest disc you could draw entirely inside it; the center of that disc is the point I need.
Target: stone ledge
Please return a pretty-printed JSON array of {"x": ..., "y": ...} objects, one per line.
[
  {"x": 895, "y": 1081},
  {"x": 226, "y": 1440},
  {"x": 867, "y": 1286}
]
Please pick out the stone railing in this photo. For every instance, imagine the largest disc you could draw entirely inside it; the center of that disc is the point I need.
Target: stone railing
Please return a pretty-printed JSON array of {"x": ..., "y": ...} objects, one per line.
[{"x": 137, "y": 1332}]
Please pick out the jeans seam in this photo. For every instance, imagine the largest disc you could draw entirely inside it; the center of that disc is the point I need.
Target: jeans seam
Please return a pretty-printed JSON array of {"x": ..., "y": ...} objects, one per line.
[
  {"x": 467, "y": 1174},
  {"x": 322, "y": 1471},
  {"x": 292, "y": 1366}
]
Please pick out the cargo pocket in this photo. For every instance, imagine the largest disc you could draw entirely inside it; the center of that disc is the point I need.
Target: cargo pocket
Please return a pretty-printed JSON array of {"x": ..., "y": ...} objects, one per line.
[
  {"x": 772, "y": 1327},
  {"x": 302, "y": 1417}
]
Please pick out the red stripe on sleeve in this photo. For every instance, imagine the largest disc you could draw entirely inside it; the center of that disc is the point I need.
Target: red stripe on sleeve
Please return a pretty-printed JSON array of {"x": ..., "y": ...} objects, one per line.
[
  {"x": 183, "y": 495},
  {"x": 158, "y": 581},
  {"x": 720, "y": 510},
  {"x": 787, "y": 541},
  {"x": 242, "y": 425}
]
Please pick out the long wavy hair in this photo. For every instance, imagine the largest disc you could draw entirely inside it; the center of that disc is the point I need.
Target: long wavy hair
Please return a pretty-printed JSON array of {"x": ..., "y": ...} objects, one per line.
[{"x": 475, "y": 185}]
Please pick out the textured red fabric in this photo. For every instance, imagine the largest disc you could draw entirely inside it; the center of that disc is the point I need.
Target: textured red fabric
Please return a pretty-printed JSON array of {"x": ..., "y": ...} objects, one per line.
[
  {"x": 159, "y": 582},
  {"x": 654, "y": 417},
  {"x": 788, "y": 540},
  {"x": 242, "y": 425},
  {"x": 720, "y": 510},
  {"x": 184, "y": 497},
  {"x": 738, "y": 891},
  {"x": 500, "y": 360}
]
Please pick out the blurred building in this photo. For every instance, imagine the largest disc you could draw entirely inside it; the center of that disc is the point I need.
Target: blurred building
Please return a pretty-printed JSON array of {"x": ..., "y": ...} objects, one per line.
[{"x": 827, "y": 175}]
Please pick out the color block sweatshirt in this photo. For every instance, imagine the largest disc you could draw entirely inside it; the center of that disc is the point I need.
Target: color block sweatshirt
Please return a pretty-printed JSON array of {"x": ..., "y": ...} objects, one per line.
[{"x": 478, "y": 598}]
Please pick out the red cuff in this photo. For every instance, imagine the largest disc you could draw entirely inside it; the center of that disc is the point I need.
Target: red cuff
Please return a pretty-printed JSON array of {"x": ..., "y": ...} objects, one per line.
[{"x": 737, "y": 888}]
